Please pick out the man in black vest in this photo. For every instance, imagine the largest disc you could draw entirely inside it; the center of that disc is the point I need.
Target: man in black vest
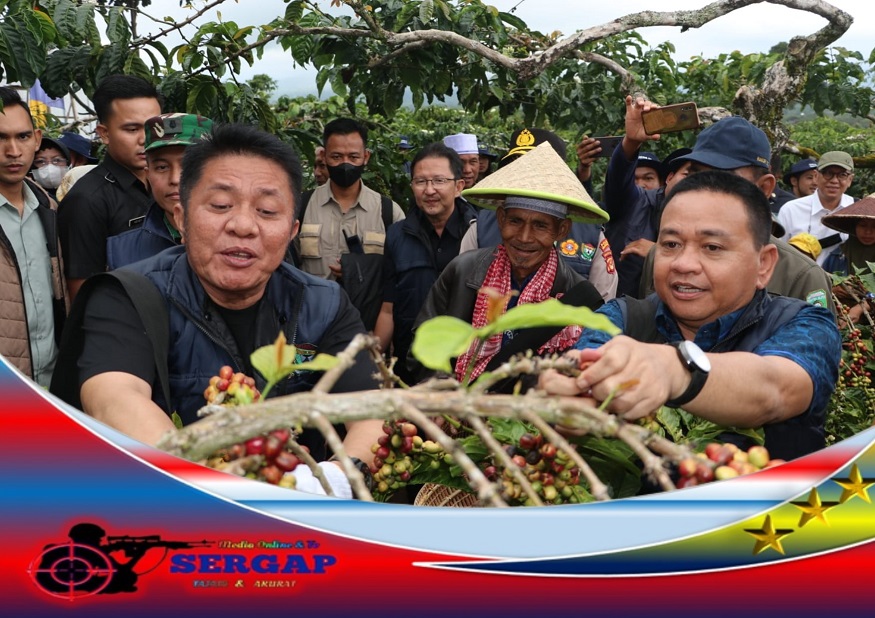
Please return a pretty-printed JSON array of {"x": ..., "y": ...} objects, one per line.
[
  {"x": 738, "y": 356},
  {"x": 226, "y": 292},
  {"x": 420, "y": 247}
]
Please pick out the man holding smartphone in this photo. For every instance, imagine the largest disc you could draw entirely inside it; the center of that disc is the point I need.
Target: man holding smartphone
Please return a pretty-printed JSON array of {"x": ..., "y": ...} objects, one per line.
[{"x": 634, "y": 209}]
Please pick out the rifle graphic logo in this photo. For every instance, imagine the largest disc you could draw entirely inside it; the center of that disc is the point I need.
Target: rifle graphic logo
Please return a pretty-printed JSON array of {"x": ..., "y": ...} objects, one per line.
[{"x": 91, "y": 562}]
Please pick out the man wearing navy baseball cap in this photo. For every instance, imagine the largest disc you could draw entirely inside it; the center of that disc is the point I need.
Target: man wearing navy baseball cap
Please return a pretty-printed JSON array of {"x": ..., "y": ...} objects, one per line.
[
  {"x": 648, "y": 171},
  {"x": 736, "y": 146},
  {"x": 802, "y": 177}
]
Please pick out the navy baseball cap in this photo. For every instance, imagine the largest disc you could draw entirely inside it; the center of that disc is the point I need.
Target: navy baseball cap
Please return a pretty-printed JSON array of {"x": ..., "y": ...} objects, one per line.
[
  {"x": 800, "y": 167},
  {"x": 78, "y": 144},
  {"x": 731, "y": 143},
  {"x": 404, "y": 143},
  {"x": 648, "y": 159},
  {"x": 484, "y": 150},
  {"x": 674, "y": 159}
]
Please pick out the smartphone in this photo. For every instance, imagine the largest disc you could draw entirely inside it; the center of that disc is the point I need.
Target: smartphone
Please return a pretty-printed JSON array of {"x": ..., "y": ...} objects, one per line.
[
  {"x": 608, "y": 144},
  {"x": 671, "y": 118}
]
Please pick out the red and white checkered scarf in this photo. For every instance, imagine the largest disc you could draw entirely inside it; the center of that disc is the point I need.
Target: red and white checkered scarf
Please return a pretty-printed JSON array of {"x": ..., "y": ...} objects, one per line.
[{"x": 498, "y": 277}]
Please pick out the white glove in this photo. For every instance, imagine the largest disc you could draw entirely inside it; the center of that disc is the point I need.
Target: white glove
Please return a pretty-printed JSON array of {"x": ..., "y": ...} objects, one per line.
[{"x": 305, "y": 481}]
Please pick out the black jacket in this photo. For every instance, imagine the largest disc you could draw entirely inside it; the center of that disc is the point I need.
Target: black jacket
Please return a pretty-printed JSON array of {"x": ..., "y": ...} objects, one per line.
[
  {"x": 455, "y": 292},
  {"x": 415, "y": 270},
  {"x": 106, "y": 201}
]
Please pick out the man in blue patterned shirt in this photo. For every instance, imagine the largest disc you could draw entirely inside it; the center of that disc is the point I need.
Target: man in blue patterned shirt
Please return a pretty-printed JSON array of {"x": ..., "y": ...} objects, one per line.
[{"x": 747, "y": 358}]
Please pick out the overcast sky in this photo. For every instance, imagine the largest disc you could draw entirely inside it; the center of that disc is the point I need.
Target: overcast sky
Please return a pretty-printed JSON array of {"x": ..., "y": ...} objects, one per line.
[{"x": 752, "y": 29}]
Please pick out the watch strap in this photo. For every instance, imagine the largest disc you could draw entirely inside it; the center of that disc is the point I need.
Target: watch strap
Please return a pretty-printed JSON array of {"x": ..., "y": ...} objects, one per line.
[
  {"x": 362, "y": 467},
  {"x": 697, "y": 383}
]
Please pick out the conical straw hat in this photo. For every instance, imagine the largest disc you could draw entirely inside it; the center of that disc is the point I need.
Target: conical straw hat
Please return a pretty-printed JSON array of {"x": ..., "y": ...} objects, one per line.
[
  {"x": 846, "y": 219},
  {"x": 540, "y": 173}
]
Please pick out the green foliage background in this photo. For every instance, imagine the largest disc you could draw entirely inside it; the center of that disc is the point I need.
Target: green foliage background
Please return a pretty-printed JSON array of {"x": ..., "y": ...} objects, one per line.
[{"x": 70, "y": 46}]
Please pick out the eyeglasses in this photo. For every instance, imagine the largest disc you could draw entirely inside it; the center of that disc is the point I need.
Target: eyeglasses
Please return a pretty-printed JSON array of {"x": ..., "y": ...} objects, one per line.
[
  {"x": 59, "y": 161},
  {"x": 830, "y": 174},
  {"x": 438, "y": 183}
]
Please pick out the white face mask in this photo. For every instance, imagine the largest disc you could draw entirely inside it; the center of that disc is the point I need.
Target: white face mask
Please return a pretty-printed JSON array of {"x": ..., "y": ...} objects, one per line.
[{"x": 49, "y": 176}]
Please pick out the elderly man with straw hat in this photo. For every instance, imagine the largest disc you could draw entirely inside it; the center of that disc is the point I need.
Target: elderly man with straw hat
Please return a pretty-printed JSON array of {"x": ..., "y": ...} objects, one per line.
[
  {"x": 535, "y": 199},
  {"x": 585, "y": 248}
]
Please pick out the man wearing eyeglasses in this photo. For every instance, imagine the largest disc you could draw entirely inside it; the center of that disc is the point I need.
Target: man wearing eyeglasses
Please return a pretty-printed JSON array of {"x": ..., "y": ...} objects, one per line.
[
  {"x": 835, "y": 173},
  {"x": 419, "y": 248}
]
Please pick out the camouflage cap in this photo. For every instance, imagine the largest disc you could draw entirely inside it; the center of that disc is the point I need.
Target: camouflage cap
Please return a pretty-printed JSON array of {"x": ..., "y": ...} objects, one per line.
[{"x": 175, "y": 130}]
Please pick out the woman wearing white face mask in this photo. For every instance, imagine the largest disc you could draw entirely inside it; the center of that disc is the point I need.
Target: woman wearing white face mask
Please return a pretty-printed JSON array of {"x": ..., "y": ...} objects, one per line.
[{"x": 50, "y": 163}]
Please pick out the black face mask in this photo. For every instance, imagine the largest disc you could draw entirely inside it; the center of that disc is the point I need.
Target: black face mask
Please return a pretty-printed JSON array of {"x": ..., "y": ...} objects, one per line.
[{"x": 346, "y": 174}]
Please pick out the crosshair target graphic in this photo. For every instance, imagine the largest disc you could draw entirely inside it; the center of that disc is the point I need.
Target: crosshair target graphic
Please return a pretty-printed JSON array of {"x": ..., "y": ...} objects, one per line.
[{"x": 71, "y": 570}]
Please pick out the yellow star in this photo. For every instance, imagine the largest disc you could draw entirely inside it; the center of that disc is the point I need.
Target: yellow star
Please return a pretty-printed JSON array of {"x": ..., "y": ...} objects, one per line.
[
  {"x": 813, "y": 508},
  {"x": 768, "y": 536},
  {"x": 855, "y": 485}
]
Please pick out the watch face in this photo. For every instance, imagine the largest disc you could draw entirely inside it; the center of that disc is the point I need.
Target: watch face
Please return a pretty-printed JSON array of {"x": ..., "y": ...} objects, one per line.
[{"x": 696, "y": 356}]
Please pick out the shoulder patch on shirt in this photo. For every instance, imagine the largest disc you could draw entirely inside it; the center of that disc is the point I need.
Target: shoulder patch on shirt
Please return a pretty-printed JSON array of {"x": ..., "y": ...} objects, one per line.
[
  {"x": 568, "y": 247},
  {"x": 587, "y": 251},
  {"x": 605, "y": 247},
  {"x": 817, "y": 298}
]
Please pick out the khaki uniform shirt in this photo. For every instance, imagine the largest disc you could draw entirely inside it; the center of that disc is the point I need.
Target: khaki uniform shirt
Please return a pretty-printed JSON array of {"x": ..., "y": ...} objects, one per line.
[{"x": 324, "y": 230}]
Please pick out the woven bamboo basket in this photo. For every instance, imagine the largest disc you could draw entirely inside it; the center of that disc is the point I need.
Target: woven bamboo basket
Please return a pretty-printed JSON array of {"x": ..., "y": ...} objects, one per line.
[{"x": 433, "y": 494}]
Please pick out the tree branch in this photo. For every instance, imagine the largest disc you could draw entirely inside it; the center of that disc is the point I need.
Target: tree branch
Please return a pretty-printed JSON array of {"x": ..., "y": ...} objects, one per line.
[
  {"x": 614, "y": 67},
  {"x": 177, "y": 26},
  {"x": 406, "y": 48},
  {"x": 800, "y": 50},
  {"x": 598, "y": 489},
  {"x": 536, "y": 64},
  {"x": 783, "y": 82},
  {"x": 496, "y": 448}
]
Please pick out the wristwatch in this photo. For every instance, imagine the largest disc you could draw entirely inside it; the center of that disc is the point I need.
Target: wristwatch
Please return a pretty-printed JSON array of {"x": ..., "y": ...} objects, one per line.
[
  {"x": 696, "y": 362},
  {"x": 363, "y": 468}
]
